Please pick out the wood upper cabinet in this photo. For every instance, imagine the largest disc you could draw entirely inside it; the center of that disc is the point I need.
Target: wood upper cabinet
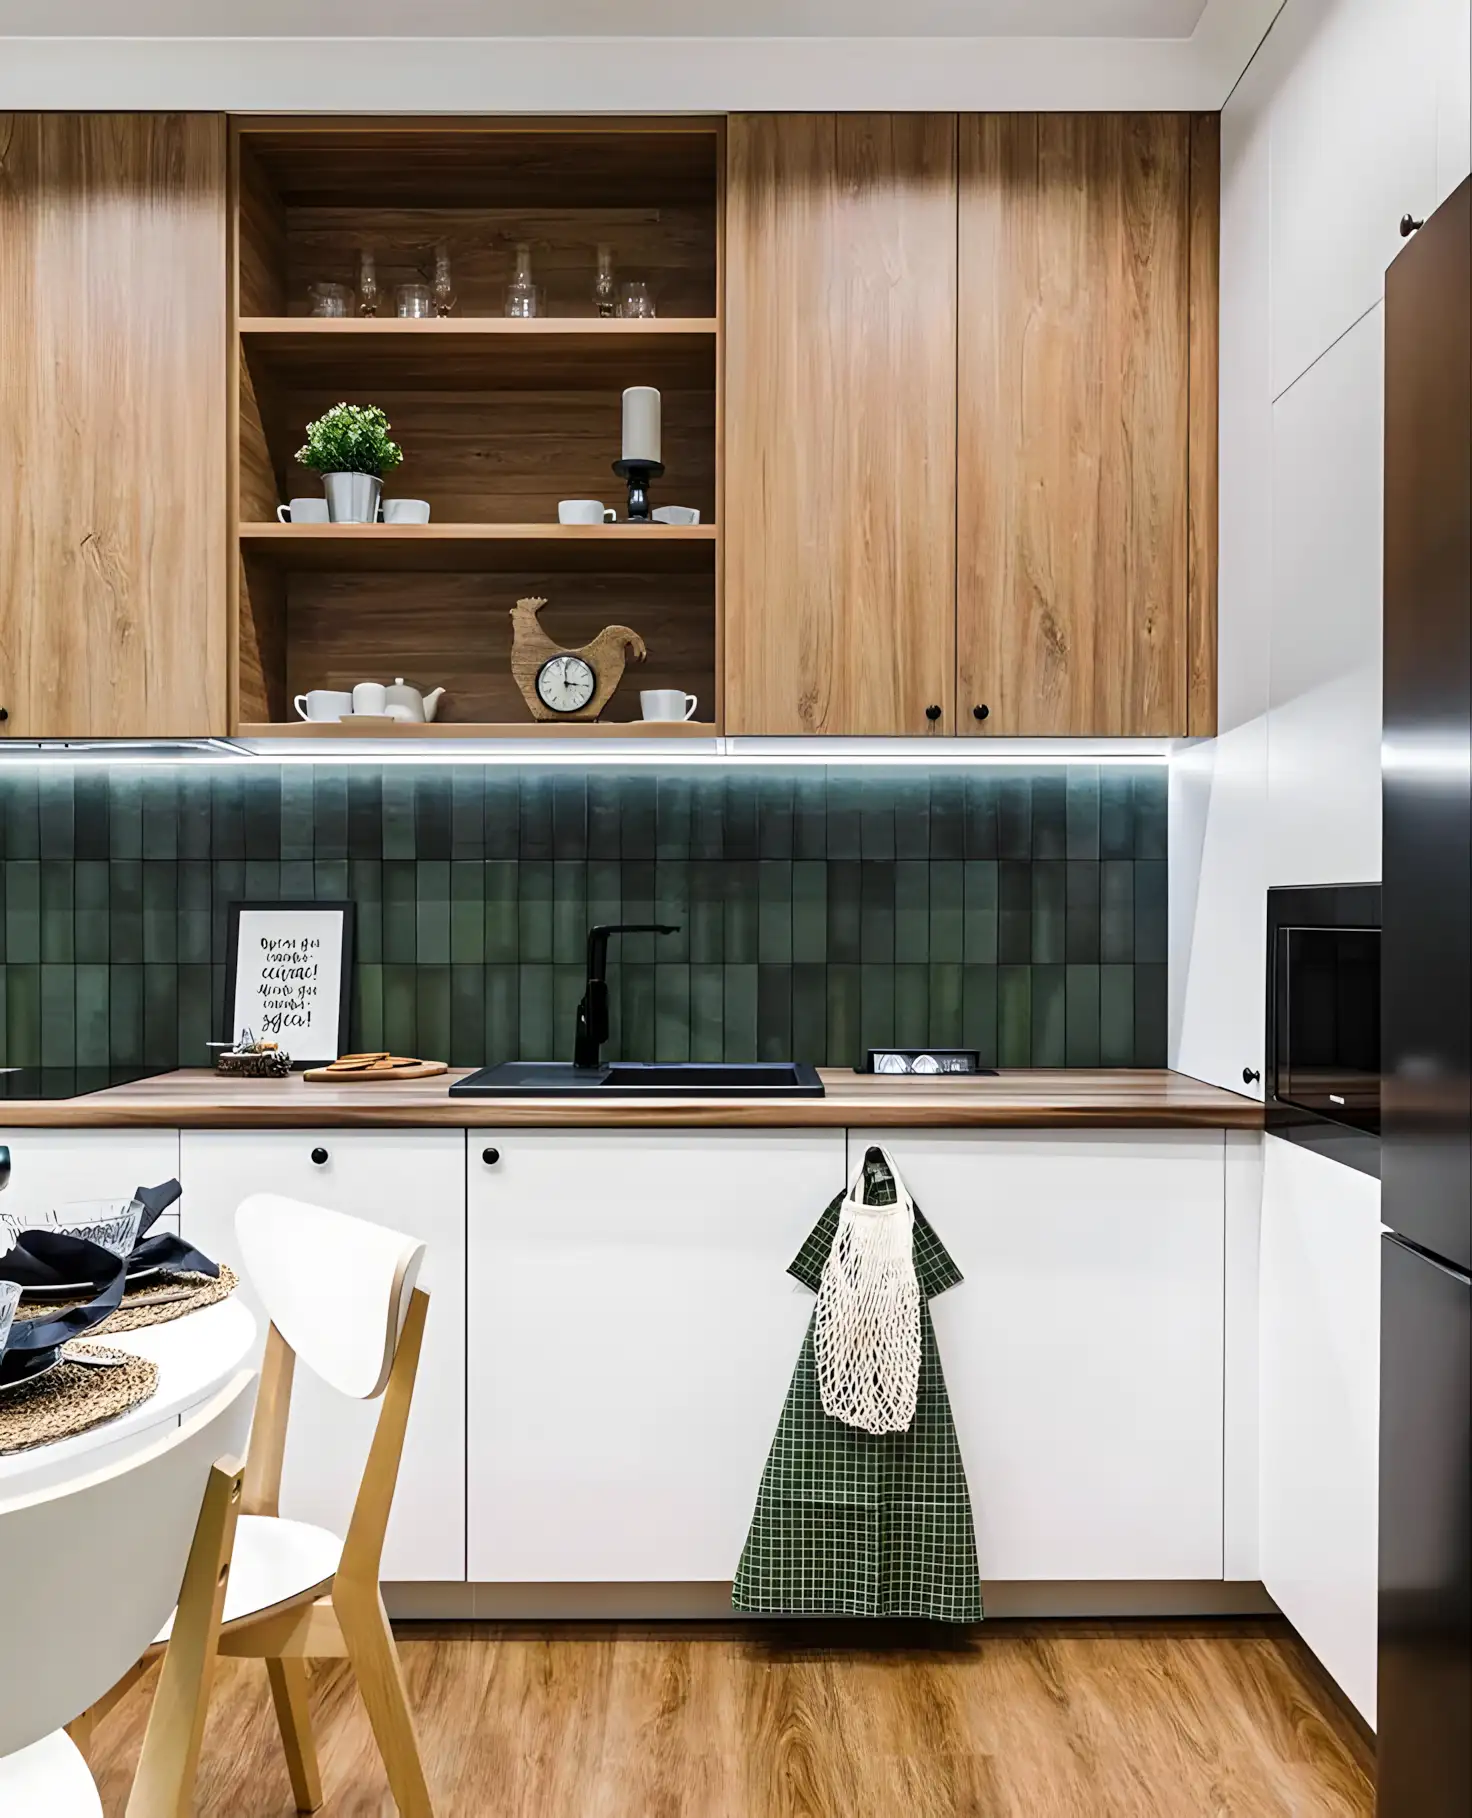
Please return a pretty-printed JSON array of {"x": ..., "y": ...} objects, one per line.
[
  {"x": 839, "y": 603},
  {"x": 1086, "y": 478},
  {"x": 112, "y": 424}
]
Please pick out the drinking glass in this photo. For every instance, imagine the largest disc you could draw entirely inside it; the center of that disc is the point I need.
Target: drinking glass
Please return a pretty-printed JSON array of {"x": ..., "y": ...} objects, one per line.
[
  {"x": 522, "y": 296},
  {"x": 635, "y": 300},
  {"x": 112, "y": 1223},
  {"x": 367, "y": 284},
  {"x": 444, "y": 291},
  {"x": 414, "y": 300},
  {"x": 605, "y": 291},
  {"x": 330, "y": 299}
]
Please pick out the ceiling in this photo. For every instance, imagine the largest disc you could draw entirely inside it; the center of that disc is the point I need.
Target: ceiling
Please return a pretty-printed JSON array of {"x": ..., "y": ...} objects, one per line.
[{"x": 602, "y": 18}]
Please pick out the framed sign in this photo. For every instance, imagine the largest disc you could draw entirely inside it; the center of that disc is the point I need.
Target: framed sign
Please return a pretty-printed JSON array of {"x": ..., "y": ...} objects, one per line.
[{"x": 288, "y": 972}]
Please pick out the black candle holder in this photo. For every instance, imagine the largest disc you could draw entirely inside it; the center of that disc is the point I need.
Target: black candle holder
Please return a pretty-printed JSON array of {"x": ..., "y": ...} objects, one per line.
[{"x": 639, "y": 474}]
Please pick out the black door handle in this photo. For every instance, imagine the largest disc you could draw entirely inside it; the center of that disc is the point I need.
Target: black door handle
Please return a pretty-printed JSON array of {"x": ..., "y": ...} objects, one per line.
[
  {"x": 981, "y": 713},
  {"x": 1409, "y": 225},
  {"x": 490, "y": 1157},
  {"x": 320, "y": 1157},
  {"x": 1251, "y": 1076},
  {"x": 932, "y": 713}
]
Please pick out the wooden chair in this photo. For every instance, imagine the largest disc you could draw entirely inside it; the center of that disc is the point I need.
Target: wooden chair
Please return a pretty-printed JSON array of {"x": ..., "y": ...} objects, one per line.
[
  {"x": 341, "y": 1295},
  {"x": 91, "y": 1569}
]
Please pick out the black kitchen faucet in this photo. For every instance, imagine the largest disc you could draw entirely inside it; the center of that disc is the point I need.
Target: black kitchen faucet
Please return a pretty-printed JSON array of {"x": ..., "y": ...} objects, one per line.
[{"x": 592, "y": 1029}]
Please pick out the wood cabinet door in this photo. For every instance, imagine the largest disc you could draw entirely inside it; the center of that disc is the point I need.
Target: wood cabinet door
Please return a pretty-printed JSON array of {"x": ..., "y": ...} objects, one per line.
[
  {"x": 634, "y": 1337},
  {"x": 413, "y": 1181},
  {"x": 112, "y": 424},
  {"x": 1084, "y": 1352},
  {"x": 839, "y": 604},
  {"x": 1074, "y": 379}
]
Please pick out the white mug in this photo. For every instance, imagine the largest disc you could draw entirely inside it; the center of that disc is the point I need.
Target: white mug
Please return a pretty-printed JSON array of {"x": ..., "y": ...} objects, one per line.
[
  {"x": 323, "y": 704},
  {"x": 302, "y": 511},
  {"x": 667, "y": 704},
  {"x": 675, "y": 514},
  {"x": 370, "y": 697},
  {"x": 585, "y": 511},
  {"x": 406, "y": 511}
]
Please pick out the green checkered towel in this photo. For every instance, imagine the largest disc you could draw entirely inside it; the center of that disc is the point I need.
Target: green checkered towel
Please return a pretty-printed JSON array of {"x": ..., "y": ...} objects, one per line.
[{"x": 856, "y": 1524}]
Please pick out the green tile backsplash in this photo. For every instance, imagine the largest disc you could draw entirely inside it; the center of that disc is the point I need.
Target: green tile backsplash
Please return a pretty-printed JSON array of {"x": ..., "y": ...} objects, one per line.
[{"x": 1018, "y": 911}]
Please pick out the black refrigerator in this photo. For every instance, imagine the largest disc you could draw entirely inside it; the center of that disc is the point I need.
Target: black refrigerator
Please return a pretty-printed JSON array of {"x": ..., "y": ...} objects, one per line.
[{"x": 1424, "y": 1720}]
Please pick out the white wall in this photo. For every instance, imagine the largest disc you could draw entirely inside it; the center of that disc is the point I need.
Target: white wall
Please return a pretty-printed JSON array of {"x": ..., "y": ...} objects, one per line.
[{"x": 1353, "y": 113}]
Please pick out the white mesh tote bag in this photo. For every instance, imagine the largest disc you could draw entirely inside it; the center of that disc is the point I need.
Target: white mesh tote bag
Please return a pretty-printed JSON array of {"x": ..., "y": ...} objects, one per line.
[{"x": 866, "y": 1331}]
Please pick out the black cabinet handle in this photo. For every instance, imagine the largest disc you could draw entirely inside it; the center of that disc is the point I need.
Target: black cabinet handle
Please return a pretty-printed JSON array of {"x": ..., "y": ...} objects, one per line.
[
  {"x": 1251, "y": 1076},
  {"x": 981, "y": 713},
  {"x": 932, "y": 713},
  {"x": 1409, "y": 225},
  {"x": 320, "y": 1157},
  {"x": 490, "y": 1157},
  {"x": 4, "y": 715}
]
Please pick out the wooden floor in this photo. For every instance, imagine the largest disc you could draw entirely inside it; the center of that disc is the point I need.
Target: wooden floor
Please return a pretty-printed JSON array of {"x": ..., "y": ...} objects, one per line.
[{"x": 1056, "y": 1720}]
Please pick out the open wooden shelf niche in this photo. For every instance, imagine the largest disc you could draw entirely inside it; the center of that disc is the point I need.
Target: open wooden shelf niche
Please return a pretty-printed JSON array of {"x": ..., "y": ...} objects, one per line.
[{"x": 499, "y": 420}]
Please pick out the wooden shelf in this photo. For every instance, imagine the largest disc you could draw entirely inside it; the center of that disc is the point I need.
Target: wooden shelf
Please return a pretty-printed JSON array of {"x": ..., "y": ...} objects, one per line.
[
  {"x": 486, "y": 352},
  {"x": 470, "y": 729},
  {"x": 482, "y": 548}
]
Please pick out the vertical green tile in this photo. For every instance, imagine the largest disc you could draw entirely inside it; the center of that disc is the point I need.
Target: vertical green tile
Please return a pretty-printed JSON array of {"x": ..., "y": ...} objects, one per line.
[
  {"x": 979, "y": 1012},
  {"x": 1014, "y": 815},
  {"x": 740, "y": 912},
  {"x": 197, "y": 1018},
  {"x": 432, "y": 913},
  {"x": 534, "y": 910},
  {"x": 330, "y": 813},
  {"x": 671, "y": 1012},
  {"x": 1116, "y": 911},
  {"x": 845, "y": 1015},
  {"x": 160, "y": 815},
  {"x": 1083, "y": 812},
  {"x": 947, "y": 911},
  {"x": 1014, "y": 1016},
  {"x": 296, "y": 880},
  {"x": 981, "y": 814},
  {"x": 538, "y": 1037},
  {"x": 432, "y": 1011},
  {"x": 1150, "y": 795},
  {"x": 1082, "y": 1046},
  {"x": 876, "y": 1007},
  {"x": 22, "y": 911},
  {"x": 397, "y": 790},
  {"x": 740, "y": 1012},
  {"x": 90, "y": 829},
  {"x": 911, "y": 1005},
  {"x": 672, "y": 817},
  {"x": 912, "y": 912},
  {"x": 1083, "y": 912},
  {"x": 809, "y": 911},
  {"x": 365, "y": 815},
  {"x": 707, "y": 1012},
  {"x": 947, "y": 815},
  {"x": 432, "y": 814},
  {"x": 876, "y": 913},
  {"x": 367, "y": 1031},
  {"x": 160, "y": 1015},
  {"x": 637, "y": 841},
  {"x": 503, "y": 912},
  {"x": 707, "y": 816},
  {"x": 845, "y": 802},
  {"x": 876, "y": 819},
  {"x": 946, "y": 1004},
  {"x": 400, "y": 914},
  {"x": 365, "y": 887},
  {"x": 1050, "y": 815},
  {"x": 160, "y": 912},
  {"x": 125, "y": 896},
  {"x": 401, "y": 1010},
  {"x": 774, "y": 835},
  {"x": 502, "y": 813},
  {"x": 911, "y": 793},
  {"x": 298, "y": 835},
  {"x": 56, "y": 825},
  {"x": 638, "y": 906},
  {"x": 810, "y": 1014},
  {"x": 845, "y": 912},
  {"x": 810, "y": 815},
  {"x": 23, "y": 1015},
  {"x": 58, "y": 904},
  {"x": 774, "y": 912},
  {"x": 1116, "y": 814},
  {"x": 262, "y": 880},
  {"x": 1151, "y": 934},
  {"x": 194, "y": 814},
  {"x": 125, "y": 816},
  {"x": 58, "y": 1016},
  {"x": 1014, "y": 912},
  {"x": 569, "y": 911},
  {"x": 1116, "y": 1016},
  {"x": 672, "y": 907},
  {"x": 90, "y": 921},
  {"x": 262, "y": 817},
  {"x": 329, "y": 880},
  {"x": 467, "y": 812},
  {"x": 468, "y": 914},
  {"x": 636, "y": 1004},
  {"x": 503, "y": 1015},
  {"x": 774, "y": 1012},
  {"x": 981, "y": 910},
  {"x": 1049, "y": 909},
  {"x": 1049, "y": 1016},
  {"x": 92, "y": 985},
  {"x": 569, "y": 815},
  {"x": 1150, "y": 1016},
  {"x": 739, "y": 818},
  {"x": 228, "y": 888},
  {"x": 192, "y": 927},
  {"x": 125, "y": 1010}
]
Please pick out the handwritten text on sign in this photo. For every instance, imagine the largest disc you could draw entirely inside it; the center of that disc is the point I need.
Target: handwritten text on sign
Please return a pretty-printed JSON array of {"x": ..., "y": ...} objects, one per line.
[{"x": 288, "y": 979}]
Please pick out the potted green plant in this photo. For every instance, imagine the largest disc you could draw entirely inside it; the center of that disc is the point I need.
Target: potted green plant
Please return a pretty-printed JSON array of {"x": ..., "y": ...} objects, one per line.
[{"x": 350, "y": 447}]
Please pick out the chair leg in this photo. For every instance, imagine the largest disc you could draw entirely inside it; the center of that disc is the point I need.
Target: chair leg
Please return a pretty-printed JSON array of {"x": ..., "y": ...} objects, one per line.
[
  {"x": 294, "y": 1717},
  {"x": 380, "y": 1676}
]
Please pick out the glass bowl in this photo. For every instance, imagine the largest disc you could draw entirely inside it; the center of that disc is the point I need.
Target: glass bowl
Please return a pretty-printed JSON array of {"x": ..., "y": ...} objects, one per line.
[
  {"x": 112, "y": 1223},
  {"x": 9, "y": 1301}
]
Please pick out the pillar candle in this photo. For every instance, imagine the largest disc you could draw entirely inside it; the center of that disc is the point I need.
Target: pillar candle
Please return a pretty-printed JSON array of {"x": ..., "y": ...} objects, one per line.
[{"x": 641, "y": 423}]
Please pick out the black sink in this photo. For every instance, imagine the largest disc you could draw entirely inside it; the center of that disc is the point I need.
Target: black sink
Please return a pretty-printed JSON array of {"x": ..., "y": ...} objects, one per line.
[{"x": 623, "y": 1079}]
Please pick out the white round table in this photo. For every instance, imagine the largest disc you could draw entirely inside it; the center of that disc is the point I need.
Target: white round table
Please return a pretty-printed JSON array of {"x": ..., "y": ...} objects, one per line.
[{"x": 195, "y": 1355}]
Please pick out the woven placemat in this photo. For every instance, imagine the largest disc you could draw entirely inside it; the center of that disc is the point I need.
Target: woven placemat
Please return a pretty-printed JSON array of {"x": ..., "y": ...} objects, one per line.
[
  {"x": 71, "y": 1398},
  {"x": 135, "y": 1312}
]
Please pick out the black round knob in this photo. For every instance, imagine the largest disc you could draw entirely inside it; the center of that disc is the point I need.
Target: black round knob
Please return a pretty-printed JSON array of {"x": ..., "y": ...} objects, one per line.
[
  {"x": 4, "y": 714},
  {"x": 1251, "y": 1076},
  {"x": 932, "y": 713},
  {"x": 320, "y": 1157},
  {"x": 1409, "y": 225},
  {"x": 490, "y": 1157},
  {"x": 981, "y": 713}
]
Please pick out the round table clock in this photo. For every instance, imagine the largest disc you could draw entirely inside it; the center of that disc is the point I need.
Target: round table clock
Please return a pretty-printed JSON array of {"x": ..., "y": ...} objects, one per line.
[{"x": 565, "y": 683}]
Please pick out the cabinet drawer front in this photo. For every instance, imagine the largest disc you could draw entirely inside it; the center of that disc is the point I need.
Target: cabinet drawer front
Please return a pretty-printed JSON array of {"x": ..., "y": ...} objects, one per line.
[
  {"x": 413, "y": 1181},
  {"x": 635, "y": 1332},
  {"x": 49, "y": 1167},
  {"x": 1084, "y": 1351}
]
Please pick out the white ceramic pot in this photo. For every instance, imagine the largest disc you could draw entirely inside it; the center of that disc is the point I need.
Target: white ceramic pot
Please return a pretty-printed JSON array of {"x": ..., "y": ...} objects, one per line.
[{"x": 352, "y": 498}]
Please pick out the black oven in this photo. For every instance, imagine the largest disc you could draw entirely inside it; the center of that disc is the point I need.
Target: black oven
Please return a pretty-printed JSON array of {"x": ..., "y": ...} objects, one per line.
[{"x": 1323, "y": 1020}]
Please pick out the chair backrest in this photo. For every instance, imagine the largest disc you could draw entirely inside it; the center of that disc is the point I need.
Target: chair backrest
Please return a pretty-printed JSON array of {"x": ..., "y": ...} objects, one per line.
[
  {"x": 336, "y": 1288},
  {"x": 92, "y": 1568}
]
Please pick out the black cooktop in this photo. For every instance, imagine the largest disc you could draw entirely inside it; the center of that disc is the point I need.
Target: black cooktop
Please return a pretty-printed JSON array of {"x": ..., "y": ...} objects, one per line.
[{"x": 68, "y": 1082}]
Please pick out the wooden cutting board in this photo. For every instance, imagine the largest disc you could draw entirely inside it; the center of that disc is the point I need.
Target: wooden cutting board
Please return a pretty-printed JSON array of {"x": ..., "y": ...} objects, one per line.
[{"x": 349, "y": 1069}]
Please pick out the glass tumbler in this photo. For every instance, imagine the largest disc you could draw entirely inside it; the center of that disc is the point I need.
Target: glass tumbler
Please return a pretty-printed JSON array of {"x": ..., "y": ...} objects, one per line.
[
  {"x": 112, "y": 1223},
  {"x": 635, "y": 300},
  {"x": 414, "y": 300},
  {"x": 330, "y": 299}
]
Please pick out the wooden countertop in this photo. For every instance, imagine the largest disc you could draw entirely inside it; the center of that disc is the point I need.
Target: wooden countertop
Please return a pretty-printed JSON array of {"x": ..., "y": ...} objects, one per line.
[{"x": 1073, "y": 1098}]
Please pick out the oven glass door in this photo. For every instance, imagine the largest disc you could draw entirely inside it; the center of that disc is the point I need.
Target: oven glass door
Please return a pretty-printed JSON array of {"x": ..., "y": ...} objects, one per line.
[{"x": 1328, "y": 1058}]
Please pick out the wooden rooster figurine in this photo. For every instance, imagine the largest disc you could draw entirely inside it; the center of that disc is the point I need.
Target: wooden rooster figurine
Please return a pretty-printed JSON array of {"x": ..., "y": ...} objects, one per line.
[{"x": 532, "y": 651}]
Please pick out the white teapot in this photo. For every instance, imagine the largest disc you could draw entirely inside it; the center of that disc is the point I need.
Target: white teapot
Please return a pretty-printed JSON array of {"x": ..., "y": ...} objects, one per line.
[{"x": 403, "y": 702}]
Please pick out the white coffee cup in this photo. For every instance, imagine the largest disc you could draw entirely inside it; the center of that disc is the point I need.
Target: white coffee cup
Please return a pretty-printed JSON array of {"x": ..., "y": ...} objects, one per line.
[
  {"x": 323, "y": 704},
  {"x": 406, "y": 511},
  {"x": 303, "y": 511},
  {"x": 675, "y": 514},
  {"x": 585, "y": 511},
  {"x": 667, "y": 704},
  {"x": 370, "y": 697}
]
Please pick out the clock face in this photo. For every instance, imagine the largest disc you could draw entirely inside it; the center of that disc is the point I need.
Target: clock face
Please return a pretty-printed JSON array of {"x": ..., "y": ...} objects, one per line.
[{"x": 566, "y": 683}]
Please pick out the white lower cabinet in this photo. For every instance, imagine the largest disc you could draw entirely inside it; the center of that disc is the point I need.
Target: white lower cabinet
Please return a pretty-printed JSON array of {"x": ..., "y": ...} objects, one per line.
[
  {"x": 1084, "y": 1351},
  {"x": 632, "y": 1334},
  {"x": 49, "y": 1167},
  {"x": 1319, "y": 1419},
  {"x": 413, "y": 1180}
]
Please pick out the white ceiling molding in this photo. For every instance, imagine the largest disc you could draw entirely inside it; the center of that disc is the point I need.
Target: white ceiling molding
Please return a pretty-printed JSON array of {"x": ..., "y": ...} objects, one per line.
[{"x": 484, "y": 75}]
